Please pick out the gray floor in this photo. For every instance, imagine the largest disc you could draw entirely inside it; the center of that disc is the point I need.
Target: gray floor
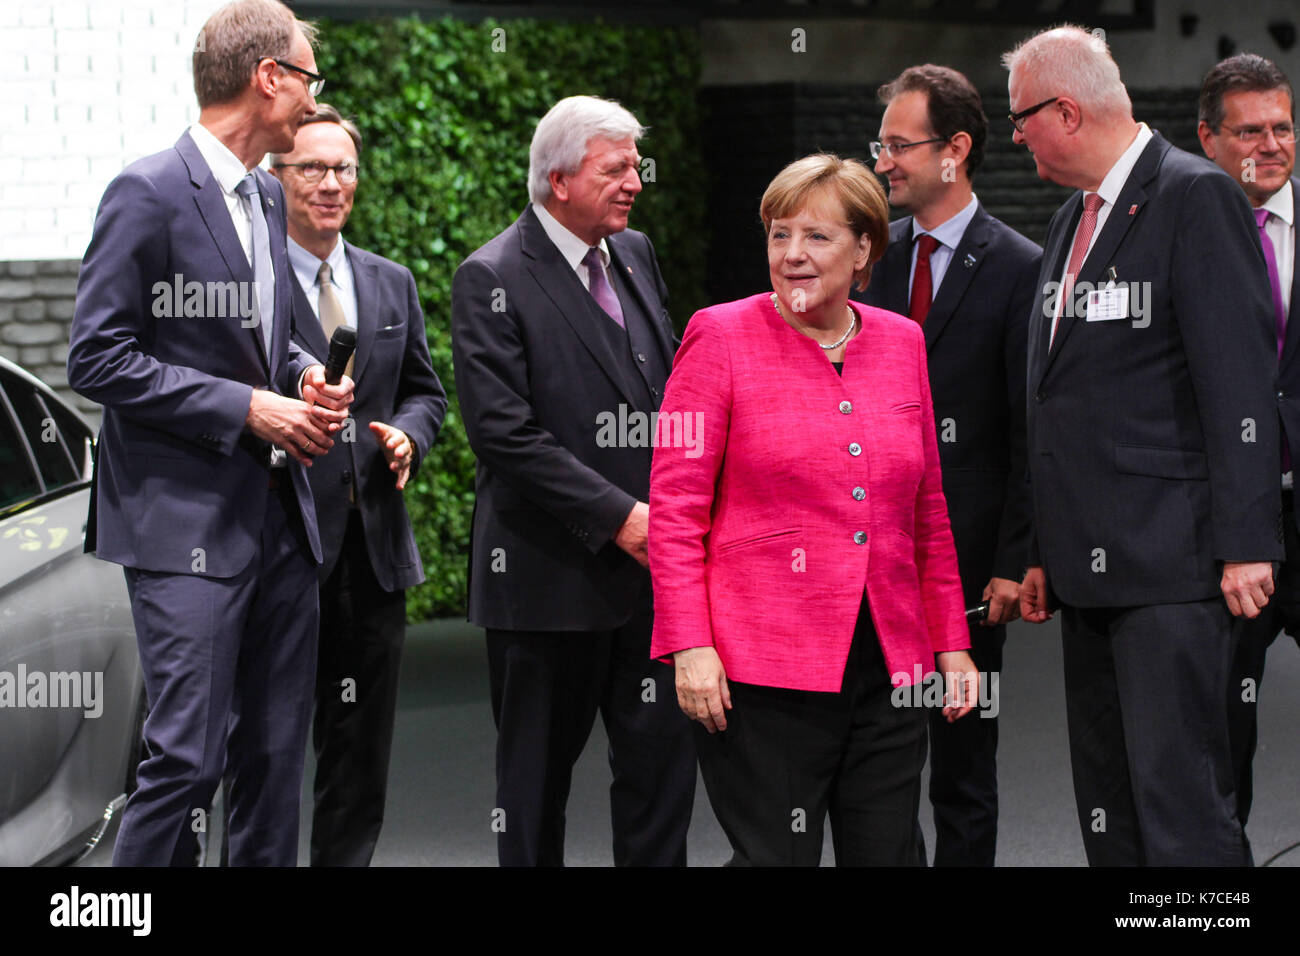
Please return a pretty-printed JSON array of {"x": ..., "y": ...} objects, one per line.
[{"x": 441, "y": 793}]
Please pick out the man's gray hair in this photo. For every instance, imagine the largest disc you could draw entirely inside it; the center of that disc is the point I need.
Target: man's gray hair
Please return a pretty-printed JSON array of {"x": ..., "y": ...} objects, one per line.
[
  {"x": 561, "y": 138},
  {"x": 1075, "y": 63},
  {"x": 325, "y": 113},
  {"x": 233, "y": 41}
]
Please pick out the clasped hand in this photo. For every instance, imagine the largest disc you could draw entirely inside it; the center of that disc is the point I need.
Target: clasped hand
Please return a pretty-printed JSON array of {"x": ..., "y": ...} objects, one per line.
[{"x": 301, "y": 428}]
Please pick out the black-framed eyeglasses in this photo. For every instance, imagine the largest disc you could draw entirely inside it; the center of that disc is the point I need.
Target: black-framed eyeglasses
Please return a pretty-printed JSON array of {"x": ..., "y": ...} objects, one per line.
[
  {"x": 898, "y": 149},
  {"x": 315, "y": 82},
  {"x": 1018, "y": 119},
  {"x": 314, "y": 172},
  {"x": 1250, "y": 135}
]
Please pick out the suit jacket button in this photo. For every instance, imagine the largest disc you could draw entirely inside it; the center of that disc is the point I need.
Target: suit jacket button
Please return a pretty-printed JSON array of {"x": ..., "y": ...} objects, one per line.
[
  {"x": 1039, "y": 396},
  {"x": 855, "y": 449},
  {"x": 860, "y": 537},
  {"x": 346, "y": 477},
  {"x": 859, "y": 493},
  {"x": 1280, "y": 394},
  {"x": 846, "y": 407}
]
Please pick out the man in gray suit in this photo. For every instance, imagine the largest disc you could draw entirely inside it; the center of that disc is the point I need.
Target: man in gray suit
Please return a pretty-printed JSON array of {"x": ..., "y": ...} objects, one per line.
[
  {"x": 1153, "y": 453},
  {"x": 181, "y": 332},
  {"x": 368, "y": 548},
  {"x": 1247, "y": 126}
]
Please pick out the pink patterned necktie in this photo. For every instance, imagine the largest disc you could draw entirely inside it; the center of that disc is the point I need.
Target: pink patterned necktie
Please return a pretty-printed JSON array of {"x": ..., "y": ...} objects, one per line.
[
  {"x": 1092, "y": 204},
  {"x": 600, "y": 287}
]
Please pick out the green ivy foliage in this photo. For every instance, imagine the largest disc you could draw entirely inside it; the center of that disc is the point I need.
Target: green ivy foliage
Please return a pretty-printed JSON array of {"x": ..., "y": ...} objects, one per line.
[{"x": 447, "y": 110}]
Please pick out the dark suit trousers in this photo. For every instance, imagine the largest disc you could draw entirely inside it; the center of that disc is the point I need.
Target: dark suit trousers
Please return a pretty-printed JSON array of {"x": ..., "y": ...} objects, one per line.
[
  {"x": 1253, "y": 639},
  {"x": 788, "y": 758},
  {"x": 1148, "y": 735},
  {"x": 228, "y": 668},
  {"x": 964, "y": 770},
  {"x": 361, "y": 634},
  {"x": 546, "y": 689}
]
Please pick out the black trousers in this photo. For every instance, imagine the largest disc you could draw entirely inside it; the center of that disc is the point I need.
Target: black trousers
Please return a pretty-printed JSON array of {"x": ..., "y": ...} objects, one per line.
[
  {"x": 362, "y": 628},
  {"x": 964, "y": 769},
  {"x": 1282, "y": 613},
  {"x": 788, "y": 758},
  {"x": 1153, "y": 778},
  {"x": 546, "y": 689}
]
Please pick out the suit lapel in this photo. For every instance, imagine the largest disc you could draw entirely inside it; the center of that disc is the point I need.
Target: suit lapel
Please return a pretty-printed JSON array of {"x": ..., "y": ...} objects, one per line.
[
  {"x": 365, "y": 278},
  {"x": 1127, "y": 208},
  {"x": 895, "y": 267},
  {"x": 965, "y": 262},
  {"x": 1040, "y": 323},
  {"x": 625, "y": 264},
  {"x": 306, "y": 323},
  {"x": 267, "y": 187},
  {"x": 211, "y": 203},
  {"x": 563, "y": 287}
]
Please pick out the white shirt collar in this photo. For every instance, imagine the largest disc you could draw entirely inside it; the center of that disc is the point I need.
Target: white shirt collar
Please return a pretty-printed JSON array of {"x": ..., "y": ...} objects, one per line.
[
  {"x": 573, "y": 249},
  {"x": 1282, "y": 204},
  {"x": 949, "y": 233},
  {"x": 1110, "y": 187},
  {"x": 306, "y": 266},
  {"x": 226, "y": 168}
]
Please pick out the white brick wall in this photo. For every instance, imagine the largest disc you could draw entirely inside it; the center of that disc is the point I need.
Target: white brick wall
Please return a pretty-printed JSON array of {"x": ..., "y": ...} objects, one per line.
[{"x": 86, "y": 87}]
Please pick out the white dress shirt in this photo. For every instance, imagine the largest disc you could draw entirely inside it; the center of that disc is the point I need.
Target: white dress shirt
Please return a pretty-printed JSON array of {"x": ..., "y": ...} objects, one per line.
[
  {"x": 948, "y": 234},
  {"x": 307, "y": 268},
  {"x": 571, "y": 247},
  {"x": 1281, "y": 229},
  {"x": 1109, "y": 191}
]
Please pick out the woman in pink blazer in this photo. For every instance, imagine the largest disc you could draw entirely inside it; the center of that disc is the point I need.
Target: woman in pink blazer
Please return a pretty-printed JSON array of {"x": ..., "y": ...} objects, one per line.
[{"x": 799, "y": 544}]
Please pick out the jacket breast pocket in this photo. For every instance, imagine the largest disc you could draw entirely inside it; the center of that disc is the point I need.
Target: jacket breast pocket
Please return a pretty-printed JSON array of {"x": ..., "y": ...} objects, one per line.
[{"x": 1159, "y": 462}]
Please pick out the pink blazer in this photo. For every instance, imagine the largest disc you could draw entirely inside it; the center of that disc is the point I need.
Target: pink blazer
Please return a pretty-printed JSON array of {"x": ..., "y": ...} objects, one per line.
[{"x": 781, "y": 490}]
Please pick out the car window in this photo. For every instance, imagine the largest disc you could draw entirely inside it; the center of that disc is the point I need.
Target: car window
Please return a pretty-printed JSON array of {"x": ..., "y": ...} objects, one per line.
[
  {"x": 57, "y": 465},
  {"x": 17, "y": 480},
  {"x": 77, "y": 438}
]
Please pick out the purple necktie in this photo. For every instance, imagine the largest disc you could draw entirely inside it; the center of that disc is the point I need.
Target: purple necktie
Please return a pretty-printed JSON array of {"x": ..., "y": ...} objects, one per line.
[
  {"x": 1275, "y": 285},
  {"x": 600, "y": 288}
]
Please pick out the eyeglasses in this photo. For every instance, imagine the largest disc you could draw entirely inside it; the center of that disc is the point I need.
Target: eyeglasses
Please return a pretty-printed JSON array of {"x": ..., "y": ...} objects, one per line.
[
  {"x": 898, "y": 149},
  {"x": 314, "y": 172},
  {"x": 1018, "y": 119},
  {"x": 315, "y": 82},
  {"x": 1250, "y": 135}
]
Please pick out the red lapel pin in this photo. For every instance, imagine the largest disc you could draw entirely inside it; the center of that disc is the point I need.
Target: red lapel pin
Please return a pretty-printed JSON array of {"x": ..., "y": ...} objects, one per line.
[{"x": 1132, "y": 210}]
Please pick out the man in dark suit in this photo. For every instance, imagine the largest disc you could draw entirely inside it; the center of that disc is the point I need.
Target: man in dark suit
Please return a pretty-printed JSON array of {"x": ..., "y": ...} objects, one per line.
[
  {"x": 182, "y": 333},
  {"x": 1153, "y": 451},
  {"x": 969, "y": 280},
  {"x": 369, "y": 552},
  {"x": 1247, "y": 127},
  {"x": 559, "y": 327}
]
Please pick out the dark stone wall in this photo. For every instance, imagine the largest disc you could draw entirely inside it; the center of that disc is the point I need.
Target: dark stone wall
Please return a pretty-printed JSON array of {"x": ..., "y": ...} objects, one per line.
[
  {"x": 753, "y": 131},
  {"x": 36, "y": 304}
]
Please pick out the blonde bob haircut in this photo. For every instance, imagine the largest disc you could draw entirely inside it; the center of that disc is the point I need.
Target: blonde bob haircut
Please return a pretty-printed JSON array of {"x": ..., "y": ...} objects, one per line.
[{"x": 866, "y": 210}]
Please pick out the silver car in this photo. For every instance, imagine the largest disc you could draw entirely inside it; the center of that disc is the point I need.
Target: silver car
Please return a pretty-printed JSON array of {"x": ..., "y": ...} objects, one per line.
[{"x": 71, "y": 693}]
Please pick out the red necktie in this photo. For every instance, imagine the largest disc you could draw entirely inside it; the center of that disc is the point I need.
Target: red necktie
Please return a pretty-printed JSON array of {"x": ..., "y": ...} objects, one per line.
[
  {"x": 1092, "y": 204},
  {"x": 919, "y": 304}
]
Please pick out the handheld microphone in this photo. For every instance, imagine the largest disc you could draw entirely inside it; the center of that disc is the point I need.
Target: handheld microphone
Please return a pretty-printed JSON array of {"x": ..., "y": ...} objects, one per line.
[
  {"x": 342, "y": 344},
  {"x": 978, "y": 613}
]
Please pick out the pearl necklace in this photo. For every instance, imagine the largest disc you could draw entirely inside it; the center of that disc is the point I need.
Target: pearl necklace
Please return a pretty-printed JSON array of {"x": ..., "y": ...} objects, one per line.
[{"x": 853, "y": 322}]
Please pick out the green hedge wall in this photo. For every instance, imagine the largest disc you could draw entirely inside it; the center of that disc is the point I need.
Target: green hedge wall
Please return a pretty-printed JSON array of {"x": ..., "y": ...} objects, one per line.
[{"x": 447, "y": 110}]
